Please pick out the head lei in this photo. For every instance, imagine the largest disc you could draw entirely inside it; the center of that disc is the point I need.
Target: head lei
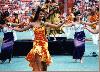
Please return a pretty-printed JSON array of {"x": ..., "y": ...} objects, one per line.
[{"x": 44, "y": 7}]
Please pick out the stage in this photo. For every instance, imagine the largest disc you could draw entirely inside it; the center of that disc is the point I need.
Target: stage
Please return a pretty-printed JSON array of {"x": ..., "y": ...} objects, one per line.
[
  {"x": 62, "y": 58},
  {"x": 60, "y": 63}
]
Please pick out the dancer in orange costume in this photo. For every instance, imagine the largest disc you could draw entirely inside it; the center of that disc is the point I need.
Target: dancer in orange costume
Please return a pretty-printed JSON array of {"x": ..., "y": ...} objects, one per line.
[{"x": 39, "y": 56}]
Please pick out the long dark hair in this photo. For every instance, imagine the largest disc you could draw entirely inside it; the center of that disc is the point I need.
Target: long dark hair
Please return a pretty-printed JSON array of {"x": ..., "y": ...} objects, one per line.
[
  {"x": 47, "y": 1},
  {"x": 37, "y": 14},
  {"x": 3, "y": 16}
]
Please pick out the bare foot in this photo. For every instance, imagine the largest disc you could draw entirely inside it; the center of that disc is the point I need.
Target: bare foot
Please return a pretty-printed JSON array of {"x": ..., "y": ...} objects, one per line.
[
  {"x": 9, "y": 60},
  {"x": 81, "y": 61}
]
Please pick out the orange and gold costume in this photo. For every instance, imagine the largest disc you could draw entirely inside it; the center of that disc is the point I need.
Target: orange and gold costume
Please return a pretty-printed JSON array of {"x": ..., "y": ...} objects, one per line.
[{"x": 40, "y": 47}]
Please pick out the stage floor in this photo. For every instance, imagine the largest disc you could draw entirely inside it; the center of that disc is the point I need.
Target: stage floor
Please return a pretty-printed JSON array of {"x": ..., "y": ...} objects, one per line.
[{"x": 60, "y": 63}]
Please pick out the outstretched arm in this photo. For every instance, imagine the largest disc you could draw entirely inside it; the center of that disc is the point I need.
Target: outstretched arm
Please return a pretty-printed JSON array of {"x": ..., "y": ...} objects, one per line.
[
  {"x": 68, "y": 25},
  {"x": 12, "y": 24},
  {"x": 15, "y": 24},
  {"x": 23, "y": 29},
  {"x": 89, "y": 23},
  {"x": 54, "y": 25},
  {"x": 94, "y": 31}
]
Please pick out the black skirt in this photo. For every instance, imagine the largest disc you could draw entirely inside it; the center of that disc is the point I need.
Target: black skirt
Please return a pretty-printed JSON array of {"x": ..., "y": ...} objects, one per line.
[
  {"x": 7, "y": 46},
  {"x": 79, "y": 41}
]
